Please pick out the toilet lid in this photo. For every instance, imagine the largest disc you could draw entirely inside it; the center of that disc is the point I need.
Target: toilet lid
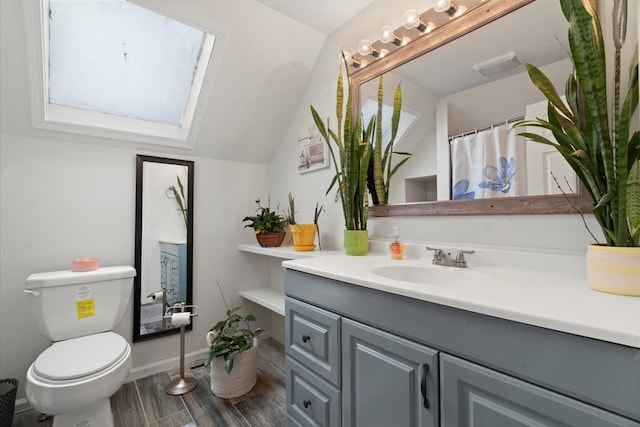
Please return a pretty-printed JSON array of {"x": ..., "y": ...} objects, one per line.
[{"x": 80, "y": 357}]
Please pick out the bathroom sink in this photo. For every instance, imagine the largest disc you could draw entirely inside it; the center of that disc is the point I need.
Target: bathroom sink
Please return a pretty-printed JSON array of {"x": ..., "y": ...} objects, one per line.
[{"x": 430, "y": 274}]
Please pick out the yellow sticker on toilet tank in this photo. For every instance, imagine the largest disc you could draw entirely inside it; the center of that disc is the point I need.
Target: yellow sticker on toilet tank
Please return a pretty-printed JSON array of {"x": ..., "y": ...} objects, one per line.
[{"x": 85, "y": 308}]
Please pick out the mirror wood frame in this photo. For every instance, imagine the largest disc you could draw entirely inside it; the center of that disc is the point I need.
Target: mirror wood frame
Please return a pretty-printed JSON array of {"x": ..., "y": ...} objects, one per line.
[
  {"x": 137, "y": 289},
  {"x": 520, "y": 205}
]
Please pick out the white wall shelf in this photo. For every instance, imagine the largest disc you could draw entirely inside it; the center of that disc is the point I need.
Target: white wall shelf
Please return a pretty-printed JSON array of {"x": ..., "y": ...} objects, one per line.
[
  {"x": 284, "y": 252},
  {"x": 271, "y": 297}
]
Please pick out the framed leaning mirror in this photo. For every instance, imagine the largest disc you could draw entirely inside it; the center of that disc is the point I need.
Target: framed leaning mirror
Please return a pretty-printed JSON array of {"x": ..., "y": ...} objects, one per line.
[
  {"x": 436, "y": 71},
  {"x": 164, "y": 243}
]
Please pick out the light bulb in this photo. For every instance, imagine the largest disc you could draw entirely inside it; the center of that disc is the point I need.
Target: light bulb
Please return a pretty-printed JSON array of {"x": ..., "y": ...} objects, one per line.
[
  {"x": 442, "y": 5},
  {"x": 411, "y": 19},
  {"x": 366, "y": 48},
  {"x": 445, "y": 6},
  {"x": 386, "y": 35}
]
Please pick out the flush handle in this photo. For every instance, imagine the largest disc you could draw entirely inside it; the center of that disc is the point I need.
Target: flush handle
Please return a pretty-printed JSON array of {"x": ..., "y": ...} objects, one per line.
[{"x": 30, "y": 292}]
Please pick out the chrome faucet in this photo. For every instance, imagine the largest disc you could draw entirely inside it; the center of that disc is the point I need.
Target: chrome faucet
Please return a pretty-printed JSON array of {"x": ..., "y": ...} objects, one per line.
[{"x": 441, "y": 257}]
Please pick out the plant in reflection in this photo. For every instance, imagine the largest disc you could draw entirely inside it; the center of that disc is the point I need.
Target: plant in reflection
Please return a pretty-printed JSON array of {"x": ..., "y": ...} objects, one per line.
[
  {"x": 181, "y": 200},
  {"x": 380, "y": 168},
  {"x": 596, "y": 140}
]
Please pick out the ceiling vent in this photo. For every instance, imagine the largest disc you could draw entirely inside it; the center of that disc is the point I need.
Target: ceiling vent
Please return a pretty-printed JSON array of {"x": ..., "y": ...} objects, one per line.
[{"x": 498, "y": 64}]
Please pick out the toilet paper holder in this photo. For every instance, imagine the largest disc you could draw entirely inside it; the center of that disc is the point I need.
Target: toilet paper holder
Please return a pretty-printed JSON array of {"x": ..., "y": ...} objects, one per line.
[
  {"x": 182, "y": 307},
  {"x": 181, "y": 385}
]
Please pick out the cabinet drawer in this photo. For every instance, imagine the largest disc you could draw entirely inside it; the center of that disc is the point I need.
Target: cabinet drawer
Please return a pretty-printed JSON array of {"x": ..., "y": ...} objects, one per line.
[
  {"x": 311, "y": 401},
  {"x": 474, "y": 395},
  {"x": 312, "y": 337}
]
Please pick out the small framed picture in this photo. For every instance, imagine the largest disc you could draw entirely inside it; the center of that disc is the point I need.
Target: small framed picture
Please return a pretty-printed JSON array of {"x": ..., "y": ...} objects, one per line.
[{"x": 312, "y": 151}]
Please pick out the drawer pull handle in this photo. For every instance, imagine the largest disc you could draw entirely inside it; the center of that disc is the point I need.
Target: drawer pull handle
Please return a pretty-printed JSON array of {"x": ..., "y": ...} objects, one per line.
[
  {"x": 306, "y": 403},
  {"x": 306, "y": 338},
  {"x": 423, "y": 386}
]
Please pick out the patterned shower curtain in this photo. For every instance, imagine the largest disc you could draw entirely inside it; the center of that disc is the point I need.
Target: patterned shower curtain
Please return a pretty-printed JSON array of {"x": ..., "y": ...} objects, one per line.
[{"x": 488, "y": 164}]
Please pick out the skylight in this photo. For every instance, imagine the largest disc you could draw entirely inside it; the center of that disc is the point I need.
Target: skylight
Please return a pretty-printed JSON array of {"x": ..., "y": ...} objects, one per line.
[
  {"x": 370, "y": 110},
  {"x": 115, "y": 67}
]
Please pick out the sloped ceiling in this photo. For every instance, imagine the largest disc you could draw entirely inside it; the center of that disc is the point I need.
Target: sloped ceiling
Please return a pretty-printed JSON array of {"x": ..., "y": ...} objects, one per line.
[{"x": 264, "y": 53}]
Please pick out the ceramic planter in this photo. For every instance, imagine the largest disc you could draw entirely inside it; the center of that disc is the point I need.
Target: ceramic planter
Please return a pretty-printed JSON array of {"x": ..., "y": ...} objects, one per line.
[
  {"x": 356, "y": 242},
  {"x": 304, "y": 236},
  {"x": 267, "y": 240},
  {"x": 615, "y": 270}
]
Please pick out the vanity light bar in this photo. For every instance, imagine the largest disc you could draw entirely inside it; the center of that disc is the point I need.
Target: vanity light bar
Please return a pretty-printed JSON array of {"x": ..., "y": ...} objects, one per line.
[{"x": 414, "y": 26}]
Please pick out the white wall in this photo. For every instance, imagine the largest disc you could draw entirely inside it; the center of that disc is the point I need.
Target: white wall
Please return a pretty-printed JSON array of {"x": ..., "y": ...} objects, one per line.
[
  {"x": 61, "y": 201},
  {"x": 550, "y": 232}
]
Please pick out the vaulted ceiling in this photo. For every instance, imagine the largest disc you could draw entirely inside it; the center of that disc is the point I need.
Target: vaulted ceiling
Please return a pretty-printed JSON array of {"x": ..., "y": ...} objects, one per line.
[{"x": 264, "y": 53}]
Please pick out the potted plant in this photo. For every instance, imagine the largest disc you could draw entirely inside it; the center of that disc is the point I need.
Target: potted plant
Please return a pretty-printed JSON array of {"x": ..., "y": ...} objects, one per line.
[
  {"x": 598, "y": 143},
  {"x": 351, "y": 146},
  {"x": 232, "y": 354},
  {"x": 380, "y": 171},
  {"x": 303, "y": 235},
  {"x": 268, "y": 225}
]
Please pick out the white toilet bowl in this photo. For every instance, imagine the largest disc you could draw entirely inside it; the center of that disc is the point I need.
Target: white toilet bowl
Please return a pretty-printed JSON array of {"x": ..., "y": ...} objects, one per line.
[
  {"x": 86, "y": 362},
  {"x": 73, "y": 379}
]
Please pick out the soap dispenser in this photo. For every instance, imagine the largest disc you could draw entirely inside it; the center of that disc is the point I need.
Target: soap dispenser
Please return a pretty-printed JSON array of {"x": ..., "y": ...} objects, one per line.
[{"x": 396, "y": 249}]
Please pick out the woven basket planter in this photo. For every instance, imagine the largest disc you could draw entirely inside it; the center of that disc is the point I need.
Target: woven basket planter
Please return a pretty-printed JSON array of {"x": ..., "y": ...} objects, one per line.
[
  {"x": 242, "y": 378},
  {"x": 267, "y": 240},
  {"x": 8, "y": 390}
]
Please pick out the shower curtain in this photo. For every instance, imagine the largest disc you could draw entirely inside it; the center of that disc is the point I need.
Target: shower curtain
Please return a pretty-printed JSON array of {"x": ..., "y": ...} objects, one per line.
[{"x": 488, "y": 164}]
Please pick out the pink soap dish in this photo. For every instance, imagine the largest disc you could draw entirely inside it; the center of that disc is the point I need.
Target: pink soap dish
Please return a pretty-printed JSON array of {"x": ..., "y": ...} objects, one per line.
[{"x": 85, "y": 264}]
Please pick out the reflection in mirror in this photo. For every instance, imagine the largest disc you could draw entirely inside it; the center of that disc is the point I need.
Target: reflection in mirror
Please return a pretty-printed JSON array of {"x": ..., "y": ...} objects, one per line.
[
  {"x": 164, "y": 243},
  {"x": 455, "y": 106}
]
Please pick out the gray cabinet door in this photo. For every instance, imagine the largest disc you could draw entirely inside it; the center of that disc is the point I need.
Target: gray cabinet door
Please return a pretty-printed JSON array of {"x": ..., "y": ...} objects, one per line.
[
  {"x": 387, "y": 380},
  {"x": 472, "y": 395}
]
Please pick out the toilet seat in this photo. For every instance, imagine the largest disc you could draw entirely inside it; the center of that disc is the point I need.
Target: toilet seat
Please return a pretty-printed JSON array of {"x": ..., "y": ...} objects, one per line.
[{"x": 80, "y": 357}]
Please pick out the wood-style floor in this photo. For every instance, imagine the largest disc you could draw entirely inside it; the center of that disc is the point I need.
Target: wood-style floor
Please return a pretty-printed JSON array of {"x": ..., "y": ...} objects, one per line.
[{"x": 144, "y": 403}]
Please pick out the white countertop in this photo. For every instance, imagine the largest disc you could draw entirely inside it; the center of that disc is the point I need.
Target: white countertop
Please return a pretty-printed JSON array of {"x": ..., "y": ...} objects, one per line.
[{"x": 556, "y": 298}]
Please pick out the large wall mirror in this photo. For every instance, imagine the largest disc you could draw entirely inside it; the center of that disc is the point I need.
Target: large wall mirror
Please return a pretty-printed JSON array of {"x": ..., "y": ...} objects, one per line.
[
  {"x": 448, "y": 101},
  {"x": 164, "y": 243}
]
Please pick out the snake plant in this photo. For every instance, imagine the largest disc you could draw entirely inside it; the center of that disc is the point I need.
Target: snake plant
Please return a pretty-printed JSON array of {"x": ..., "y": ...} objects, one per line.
[
  {"x": 178, "y": 194},
  {"x": 351, "y": 145},
  {"x": 380, "y": 171},
  {"x": 603, "y": 153}
]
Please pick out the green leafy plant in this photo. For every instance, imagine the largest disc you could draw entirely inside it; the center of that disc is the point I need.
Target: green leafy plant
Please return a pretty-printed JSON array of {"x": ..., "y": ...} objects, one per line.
[
  {"x": 233, "y": 336},
  {"x": 181, "y": 200},
  {"x": 265, "y": 220},
  {"x": 380, "y": 170},
  {"x": 350, "y": 145},
  {"x": 605, "y": 157}
]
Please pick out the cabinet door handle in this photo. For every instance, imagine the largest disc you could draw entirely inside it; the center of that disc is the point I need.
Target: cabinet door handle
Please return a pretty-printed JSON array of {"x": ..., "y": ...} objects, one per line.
[
  {"x": 423, "y": 385},
  {"x": 306, "y": 338},
  {"x": 306, "y": 403}
]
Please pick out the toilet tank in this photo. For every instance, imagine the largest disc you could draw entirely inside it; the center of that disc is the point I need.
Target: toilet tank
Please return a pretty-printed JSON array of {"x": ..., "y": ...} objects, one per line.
[{"x": 69, "y": 304}]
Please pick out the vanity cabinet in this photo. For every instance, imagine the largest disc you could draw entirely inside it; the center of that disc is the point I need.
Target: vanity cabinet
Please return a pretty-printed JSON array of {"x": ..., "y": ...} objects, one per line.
[
  {"x": 473, "y": 395},
  {"x": 173, "y": 271},
  {"x": 387, "y": 380},
  {"x": 408, "y": 362}
]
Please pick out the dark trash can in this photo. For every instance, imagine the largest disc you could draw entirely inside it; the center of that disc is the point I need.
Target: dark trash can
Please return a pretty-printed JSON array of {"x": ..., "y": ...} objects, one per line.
[{"x": 8, "y": 391}]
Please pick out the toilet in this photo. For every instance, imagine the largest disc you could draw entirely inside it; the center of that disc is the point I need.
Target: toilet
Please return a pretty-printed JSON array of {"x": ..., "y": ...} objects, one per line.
[{"x": 87, "y": 362}]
